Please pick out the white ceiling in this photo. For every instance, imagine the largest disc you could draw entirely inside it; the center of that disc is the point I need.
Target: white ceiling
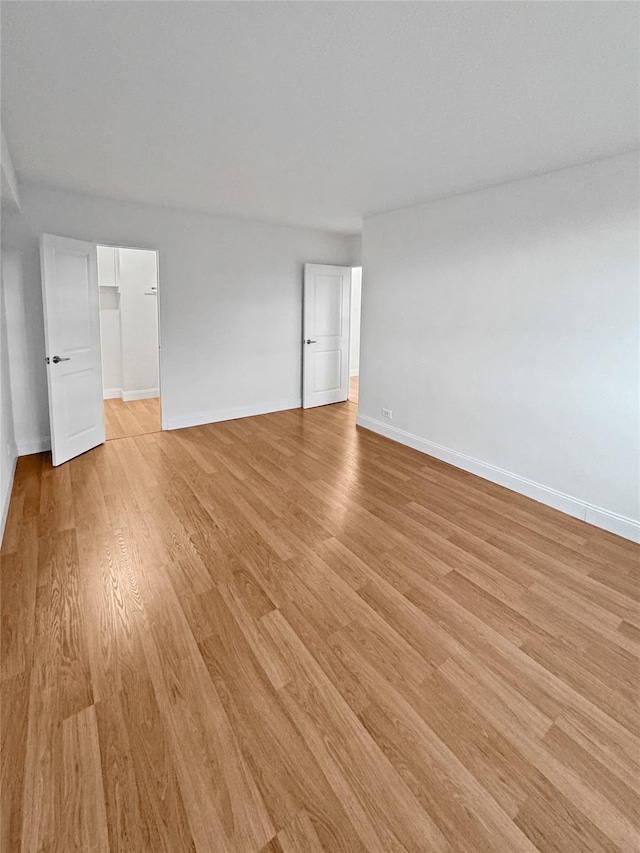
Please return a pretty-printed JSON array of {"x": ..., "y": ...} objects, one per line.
[{"x": 313, "y": 113}]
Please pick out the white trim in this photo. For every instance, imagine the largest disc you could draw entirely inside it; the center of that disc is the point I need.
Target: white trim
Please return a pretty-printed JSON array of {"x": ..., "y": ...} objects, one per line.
[
  {"x": 613, "y": 522},
  {"x": 112, "y": 393},
  {"x": 128, "y": 396},
  {"x": 143, "y": 394},
  {"x": 36, "y": 445},
  {"x": 629, "y": 528},
  {"x": 216, "y": 415},
  {"x": 6, "y": 498},
  {"x": 355, "y": 371}
]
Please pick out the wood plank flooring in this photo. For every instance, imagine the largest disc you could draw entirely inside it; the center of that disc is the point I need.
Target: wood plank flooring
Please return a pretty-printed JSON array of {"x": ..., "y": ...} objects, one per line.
[
  {"x": 353, "y": 389},
  {"x": 136, "y": 417},
  {"x": 287, "y": 634}
]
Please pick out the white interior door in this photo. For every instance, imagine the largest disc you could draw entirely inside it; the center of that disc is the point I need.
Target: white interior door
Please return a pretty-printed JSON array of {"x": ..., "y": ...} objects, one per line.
[
  {"x": 72, "y": 337},
  {"x": 325, "y": 348}
]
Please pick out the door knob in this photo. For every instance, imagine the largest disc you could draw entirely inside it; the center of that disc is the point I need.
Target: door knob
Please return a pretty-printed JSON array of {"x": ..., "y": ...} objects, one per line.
[
  {"x": 310, "y": 342},
  {"x": 57, "y": 358}
]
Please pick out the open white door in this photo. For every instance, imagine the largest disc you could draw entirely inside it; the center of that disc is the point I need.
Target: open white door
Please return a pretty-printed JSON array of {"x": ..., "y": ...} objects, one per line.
[
  {"x": 72, "y": 337},
  {"x": 325, "y": 346}
]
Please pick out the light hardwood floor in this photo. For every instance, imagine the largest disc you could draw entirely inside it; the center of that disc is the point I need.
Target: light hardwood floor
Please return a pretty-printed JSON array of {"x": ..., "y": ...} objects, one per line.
[
  {"x": 287, "y": 634},
  {"x": 354, "y": 383},
  {"x": 136, "y": 417}
]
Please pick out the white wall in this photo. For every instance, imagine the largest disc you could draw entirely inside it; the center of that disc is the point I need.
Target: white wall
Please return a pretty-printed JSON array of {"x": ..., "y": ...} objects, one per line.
[
  {"x": 110, "y": 342},
  {"x": 502, "y": 330},
  {"x": 129, "y": 324},
  {"x": 354, "y": 337},
  {"x": 25, "y": 356},
  {"x": 138, "y": 323},
  {"x": 230, "y": 302},
  {"x": 8, "y": 451},
  {"x": 9, "y": 182},
  {"x": 354, "y": 247}
]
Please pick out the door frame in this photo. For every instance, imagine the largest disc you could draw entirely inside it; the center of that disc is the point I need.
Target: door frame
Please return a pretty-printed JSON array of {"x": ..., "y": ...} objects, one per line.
[
  {"x": 302, "y": 328},
  {"x": 352, "y": 267},
  {"x": 355, "y": 267},
  {"x": 163, "y": 425}
]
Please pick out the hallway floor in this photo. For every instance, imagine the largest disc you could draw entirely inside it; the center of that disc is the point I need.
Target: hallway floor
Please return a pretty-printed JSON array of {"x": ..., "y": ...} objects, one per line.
[
  {"x": 136, "y": 417},
  {"x": 353, "y": 389}
]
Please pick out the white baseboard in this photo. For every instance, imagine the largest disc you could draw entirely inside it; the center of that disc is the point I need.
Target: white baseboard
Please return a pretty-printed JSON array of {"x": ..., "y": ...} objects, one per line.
[
  {"x": 128, "y": 396},
  {"x": 112, "y": 394},
  {"x": 611, "y": 521},
  {"x": 6, "y": 498},
  {"x": 37, "y": 445},
  {"x": 216, "y": 415},
  {"x": 354, "y": 372},
  {"x": 143, "y": 394}
]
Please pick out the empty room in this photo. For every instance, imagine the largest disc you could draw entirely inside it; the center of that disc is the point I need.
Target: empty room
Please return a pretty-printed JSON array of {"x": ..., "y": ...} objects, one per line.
[{"x": 320, "y": 427}]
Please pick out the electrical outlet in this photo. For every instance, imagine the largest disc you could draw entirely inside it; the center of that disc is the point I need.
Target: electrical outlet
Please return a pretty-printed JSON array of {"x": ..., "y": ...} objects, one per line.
[{"x": 386, "y": 413}]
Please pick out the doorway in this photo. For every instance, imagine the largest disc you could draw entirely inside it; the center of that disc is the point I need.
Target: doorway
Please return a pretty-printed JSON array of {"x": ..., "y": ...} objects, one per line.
[
  {"x": 128, "y": 294},
  {"x": 330, "y": 334},
  {"x": 354, "y": 334}
]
